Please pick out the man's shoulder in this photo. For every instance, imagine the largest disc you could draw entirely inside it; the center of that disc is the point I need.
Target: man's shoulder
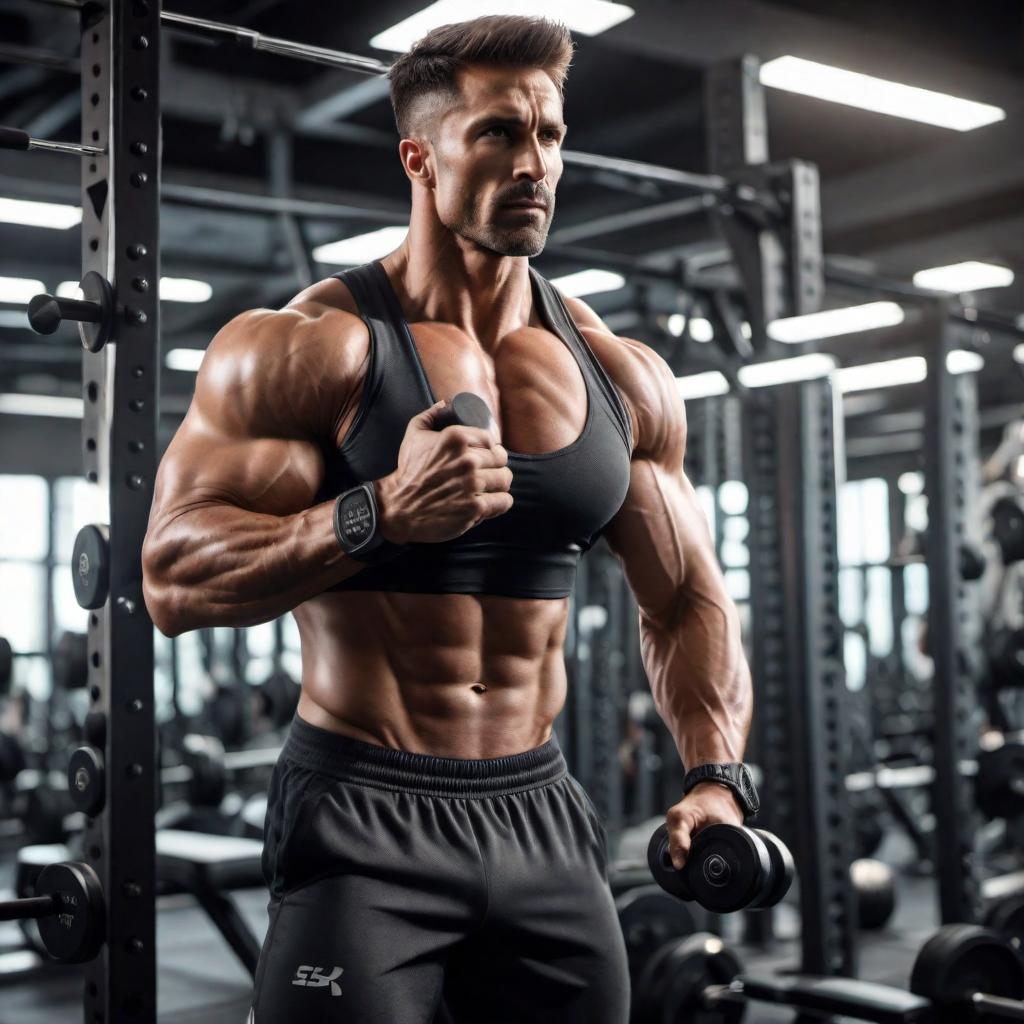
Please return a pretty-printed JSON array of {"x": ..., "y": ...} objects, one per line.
[{"x": 644, "y": 380}]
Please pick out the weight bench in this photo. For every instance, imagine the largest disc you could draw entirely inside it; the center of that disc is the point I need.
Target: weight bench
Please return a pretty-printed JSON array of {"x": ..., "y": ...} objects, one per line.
[
  {"x": 847, "y": 997},
  {"x": 205, "y": 866},
  {"x": 208, "y": 868}
]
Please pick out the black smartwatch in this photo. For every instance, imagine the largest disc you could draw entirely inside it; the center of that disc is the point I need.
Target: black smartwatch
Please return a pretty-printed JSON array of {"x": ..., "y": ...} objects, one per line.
[
  {"x": 356, "y": 525},
  {"x": 735, "y": 776}
]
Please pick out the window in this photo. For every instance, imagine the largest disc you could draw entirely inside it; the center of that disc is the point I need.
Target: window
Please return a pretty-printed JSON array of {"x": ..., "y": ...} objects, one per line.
[{"x": 24, "y": 517}]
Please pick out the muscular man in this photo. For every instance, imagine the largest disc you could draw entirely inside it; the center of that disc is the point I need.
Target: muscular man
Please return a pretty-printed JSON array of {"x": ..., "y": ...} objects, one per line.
[{"x": 426, "y": 849}]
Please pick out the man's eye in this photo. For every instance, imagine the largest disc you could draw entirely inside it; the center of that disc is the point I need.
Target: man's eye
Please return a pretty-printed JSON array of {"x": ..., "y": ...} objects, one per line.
[{"x": 496, "y": 128}]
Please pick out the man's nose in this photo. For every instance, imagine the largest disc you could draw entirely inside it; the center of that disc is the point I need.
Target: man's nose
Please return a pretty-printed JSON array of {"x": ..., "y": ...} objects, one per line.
[{"x": 531, "y": 162}]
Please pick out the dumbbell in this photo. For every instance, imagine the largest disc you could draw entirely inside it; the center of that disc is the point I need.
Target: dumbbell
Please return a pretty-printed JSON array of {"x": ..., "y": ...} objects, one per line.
[
  {"x": 962, "y": 974},
  {"x": 204, "y": 770},
  {"x": 69, "y": 909},
  {"x": 465, "y": 410},
  {"x": 729, "y": 868}
]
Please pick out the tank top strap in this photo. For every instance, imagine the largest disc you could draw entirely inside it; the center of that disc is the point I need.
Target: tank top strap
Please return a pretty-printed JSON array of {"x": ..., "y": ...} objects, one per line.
[{"x": 560, "y": 319}]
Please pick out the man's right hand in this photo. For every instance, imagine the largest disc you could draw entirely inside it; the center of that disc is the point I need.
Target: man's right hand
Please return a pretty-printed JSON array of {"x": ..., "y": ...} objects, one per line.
[{"x": 446, "y": 481}]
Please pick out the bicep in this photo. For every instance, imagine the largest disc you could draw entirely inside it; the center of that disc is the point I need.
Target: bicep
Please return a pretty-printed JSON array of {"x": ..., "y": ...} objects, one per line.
[
  {"x": 661, "y": 538},
  {"x": 205, "y": 464}
]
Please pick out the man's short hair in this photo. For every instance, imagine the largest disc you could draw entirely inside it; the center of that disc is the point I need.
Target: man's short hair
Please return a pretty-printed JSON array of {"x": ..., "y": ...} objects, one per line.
[{"x": 424, "y": 80}]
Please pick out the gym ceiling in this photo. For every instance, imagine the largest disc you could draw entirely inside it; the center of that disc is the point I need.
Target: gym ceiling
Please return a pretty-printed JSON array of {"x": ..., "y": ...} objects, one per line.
[{"x": 897, "y": 196}]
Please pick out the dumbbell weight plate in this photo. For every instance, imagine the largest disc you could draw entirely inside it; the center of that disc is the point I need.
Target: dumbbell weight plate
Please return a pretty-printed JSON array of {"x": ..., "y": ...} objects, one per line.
[
  {"x": 728, "y": 867},
  {"x": 90, "y": 565},
  {"x": 650, "y": 917},
  {"x": 875, "y": 892},
  {"x": 670, "y": 989},
  {"x": 658, "y": 860},
  {"x": 783, "y": 870},
  {"x": 1006, "y": 918},
  {"x": 963, "y": 958},
  {"x": 75, "y": 934}
]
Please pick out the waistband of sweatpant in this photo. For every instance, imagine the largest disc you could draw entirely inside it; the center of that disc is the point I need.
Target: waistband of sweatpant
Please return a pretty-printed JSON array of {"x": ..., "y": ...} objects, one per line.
[{"x": 350, "y": 760}]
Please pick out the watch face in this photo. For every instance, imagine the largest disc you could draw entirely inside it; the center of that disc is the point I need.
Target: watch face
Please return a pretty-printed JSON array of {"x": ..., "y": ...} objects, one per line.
[{"x": 355, "y": 519}]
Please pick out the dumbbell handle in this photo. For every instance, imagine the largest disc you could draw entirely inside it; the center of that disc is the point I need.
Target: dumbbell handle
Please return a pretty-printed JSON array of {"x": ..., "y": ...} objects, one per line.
[
  {"x": 997, "y": 1006},
  {"x": 18, "y": 139},
  {"x": 47, "y": 312},
  {"x": 31, "y": 908}
]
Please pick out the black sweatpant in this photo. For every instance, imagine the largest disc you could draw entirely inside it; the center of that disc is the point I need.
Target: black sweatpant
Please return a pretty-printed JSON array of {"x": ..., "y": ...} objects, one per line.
[{"x": 409, "y": 889}]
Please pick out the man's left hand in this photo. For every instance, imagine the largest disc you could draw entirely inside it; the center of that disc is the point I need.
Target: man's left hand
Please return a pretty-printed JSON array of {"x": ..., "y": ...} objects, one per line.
[{"x": 707, "y": 803}]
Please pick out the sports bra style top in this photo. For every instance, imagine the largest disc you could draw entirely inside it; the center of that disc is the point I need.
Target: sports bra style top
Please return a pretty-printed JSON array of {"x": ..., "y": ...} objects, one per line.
[{"x": 562, "y": 499}]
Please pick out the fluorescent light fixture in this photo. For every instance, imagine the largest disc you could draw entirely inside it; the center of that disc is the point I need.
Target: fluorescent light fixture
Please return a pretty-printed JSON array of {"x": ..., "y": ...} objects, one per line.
[
  {"x": 794, "y": 74},
  {"x": 361, "y": 249},
  {"x": 19, "y": 290},
  {"x": 588, "y": 17},
  {"x": 587, "y": 282},
  {"x": 187, "y": 359},
  {"x": 911, "y": 483},
  {"x": 830, "y": 323},
  {"x": 702, "y": 385},
  {"x": 701, "y": 330},
  {"x": 891, "y": 373},
  {"x": 41, "y": 405},
  {"x": 39, "y": 215},
  {"x": 172, "y": 289},
  {"x": 971, "y": 276},
  {"x": 963, "y": 361},
  {"x": 184, "y": 289},
  {"x": 1018, "y": 353},
  {"x": 784, "y": 371}
]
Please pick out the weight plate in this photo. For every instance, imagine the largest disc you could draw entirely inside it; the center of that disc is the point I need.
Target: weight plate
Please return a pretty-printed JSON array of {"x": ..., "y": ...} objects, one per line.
[
  {"x": 650, "y": 917},
  {"x": 783, "y": 870},
  {"x": 960, "y": 959},
  {"x": 71, "y": 661},
  {"x": 658, "y": 860},
  {"x": 1006, "y": 918},
  {"x": 75, "y": 933},
  {"x": 670, "y": 989},
  {"x": 90, "y": 566},
  {"x": 85, "y": 780},
  {"x": 727, "y": 868}
]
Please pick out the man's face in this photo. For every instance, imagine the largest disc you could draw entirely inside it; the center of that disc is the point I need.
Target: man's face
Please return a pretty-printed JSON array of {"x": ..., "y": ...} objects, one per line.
[{"x": 501, "y": 145}]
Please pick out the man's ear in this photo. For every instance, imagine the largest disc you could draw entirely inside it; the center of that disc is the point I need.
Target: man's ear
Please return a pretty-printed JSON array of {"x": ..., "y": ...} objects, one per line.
[{"x": 417, "y": 161}]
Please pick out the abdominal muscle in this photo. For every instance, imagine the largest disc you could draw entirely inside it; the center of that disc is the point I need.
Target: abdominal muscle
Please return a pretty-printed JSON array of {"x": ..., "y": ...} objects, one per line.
[{"x": 451, "y": 675}]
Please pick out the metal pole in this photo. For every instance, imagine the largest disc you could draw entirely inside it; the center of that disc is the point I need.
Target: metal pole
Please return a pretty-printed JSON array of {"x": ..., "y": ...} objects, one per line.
[
  {"x": 951, "y": 463},
  {"x": 120, "y": 242}
]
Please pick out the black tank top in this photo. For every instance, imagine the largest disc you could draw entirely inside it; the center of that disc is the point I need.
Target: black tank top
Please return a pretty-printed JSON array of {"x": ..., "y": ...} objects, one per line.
[{"x": 562, "y": 499}]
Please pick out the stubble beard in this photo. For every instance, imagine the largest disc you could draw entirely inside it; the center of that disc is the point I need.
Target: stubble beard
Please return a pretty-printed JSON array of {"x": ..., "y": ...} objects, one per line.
[{"x": 523, "y": 240}]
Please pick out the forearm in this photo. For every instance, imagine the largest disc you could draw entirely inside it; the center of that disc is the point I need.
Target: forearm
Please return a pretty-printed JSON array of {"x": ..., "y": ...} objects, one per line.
[
  {"x": 219, "y": 565},
  {"x": 699, "y": 677}
]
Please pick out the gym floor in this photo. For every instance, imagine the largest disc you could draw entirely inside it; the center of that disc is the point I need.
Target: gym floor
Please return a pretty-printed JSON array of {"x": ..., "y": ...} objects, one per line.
[{"x": 201, "y": 981}]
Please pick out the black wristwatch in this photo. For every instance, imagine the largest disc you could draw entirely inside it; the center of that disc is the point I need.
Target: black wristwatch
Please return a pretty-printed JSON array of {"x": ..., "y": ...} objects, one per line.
[
  {"x": 735, "y": 776},
  {"x": 356, "y": 525}
]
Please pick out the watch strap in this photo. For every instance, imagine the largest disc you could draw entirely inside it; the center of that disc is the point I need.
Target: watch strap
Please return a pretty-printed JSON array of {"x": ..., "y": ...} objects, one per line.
[{"x": 734, "y": 775}]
